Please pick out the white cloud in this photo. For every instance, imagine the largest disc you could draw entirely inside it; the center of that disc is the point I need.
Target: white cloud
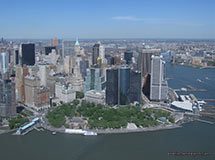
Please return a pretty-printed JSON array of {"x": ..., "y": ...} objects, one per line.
[{"x": 127, "y": 18}]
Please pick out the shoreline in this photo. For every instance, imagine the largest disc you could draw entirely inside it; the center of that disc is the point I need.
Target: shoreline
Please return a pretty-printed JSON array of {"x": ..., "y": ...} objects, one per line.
[{"x": 121, "y": 130}]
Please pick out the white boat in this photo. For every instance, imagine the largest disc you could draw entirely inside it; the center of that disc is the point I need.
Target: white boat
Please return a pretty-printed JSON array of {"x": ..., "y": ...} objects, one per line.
[
  {"x": 90, "y": 133},
  {"x": 199, "y": 80},
  {"x": 53, "y": 133}
]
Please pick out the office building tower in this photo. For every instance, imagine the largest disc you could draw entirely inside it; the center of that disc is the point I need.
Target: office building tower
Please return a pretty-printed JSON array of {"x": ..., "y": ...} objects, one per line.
[
  {"x": 7, "y": 98},
  {"x": 49, "y": 49},
  {"x": 67, "y": 49},
  {"x": 55, "y": 42},
  {"x": 146, "y": 60},
  {"x": 158, "y": 85},
  {"x": 124, "y": 85},
  {"x": 21, "y": 72},
  {"x": 16, "y": 57},
  {"x": 135, "y": 86},
  {"x": 128, "y": 57},
  {"x": 36, "y": 96},
  {"x": 4, "y": 62},
  {"x": 28, "y": 54},
  {"x": 146, "y": 85},
  {"x": 112, "y": 87},
  {"x": 94, "y": 80},
  {"x": 95, "y": 54}
]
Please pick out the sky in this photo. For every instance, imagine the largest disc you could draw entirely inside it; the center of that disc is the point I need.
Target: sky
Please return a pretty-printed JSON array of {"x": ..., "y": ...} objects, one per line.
[{"x": 193, "y": 19}]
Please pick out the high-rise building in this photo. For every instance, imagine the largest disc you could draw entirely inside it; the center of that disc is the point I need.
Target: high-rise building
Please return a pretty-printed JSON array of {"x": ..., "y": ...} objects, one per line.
[
  {"x": 55, "y": 42},
  {"x": 36, "y": 96},
  {"x": 49, "y": 49},
  {"x": 68, "y": 49},
  {"x": 146, "y": 60},
  {"x": 135, "y": 86},
  {"x": 158, "y": 85},
  {"x": 21, "y": 72},
  {"x": 112, "y": 88},
  {"x": 28, "y": 54},
  {"x": 4, "y": 62},
  {"x": 124, "y": 85},
  {"x": 7, "y": 98},
  {"x": 16, "y": 57},
  {"x": 94, "y": 80},
  {"x": 95, "y": 54},
  {"x": 128, "y": 57}
]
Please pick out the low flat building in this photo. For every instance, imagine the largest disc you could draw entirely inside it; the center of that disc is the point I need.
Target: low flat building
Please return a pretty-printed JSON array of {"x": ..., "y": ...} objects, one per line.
[{"x": 95, "y": 97}]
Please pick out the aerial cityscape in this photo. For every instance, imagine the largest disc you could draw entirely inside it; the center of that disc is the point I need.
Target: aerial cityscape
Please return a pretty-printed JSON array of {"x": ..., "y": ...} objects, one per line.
[{"x": 84, "y": 80}]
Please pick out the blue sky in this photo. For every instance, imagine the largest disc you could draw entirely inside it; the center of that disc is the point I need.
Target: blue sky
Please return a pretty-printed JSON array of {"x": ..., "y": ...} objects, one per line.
[{"x": 107, "y": 18}]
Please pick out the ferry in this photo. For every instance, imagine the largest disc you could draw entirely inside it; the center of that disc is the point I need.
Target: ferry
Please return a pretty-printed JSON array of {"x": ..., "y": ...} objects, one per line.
[{"x": 90, "y": 133}]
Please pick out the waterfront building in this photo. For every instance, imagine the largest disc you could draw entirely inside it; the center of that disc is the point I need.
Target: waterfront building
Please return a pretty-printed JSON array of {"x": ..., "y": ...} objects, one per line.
[
  {"x": 65, "y": 92},
  {"x": 158, "y": 84},
  {"x": 28, "y": 54},
  {"x": 36, "y": 96},
  {"x": 97, "y": 97},
  {"x": 146, "y": 60},
  {"x": 7, "y": 98},
  {"x": 123, "y": 86}
]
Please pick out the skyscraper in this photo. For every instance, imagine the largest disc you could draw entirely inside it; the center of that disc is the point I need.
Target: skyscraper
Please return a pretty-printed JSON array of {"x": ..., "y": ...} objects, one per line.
[
  {"x": 94, "y": 80},
  {"x": 49, "y": 49},
  {"x": 128, "y": 57},
  {"x": 28, "y": 54},
  {"x": 135, "y": 86},
  {"x": 158, "y": 85},
  {"x": 112, "y": 87},
  {"x": 67, "y": 49},
  {"x": 95, "y": 54},
  {"x": 146, "y": 60},
  {"x": 7, "y": 98},
  {"x": 124, "y": 85},
  {"x": 16, "y": 57},
  {"x": 55, "y": 42},
  {"x": 4, "y": 62}
]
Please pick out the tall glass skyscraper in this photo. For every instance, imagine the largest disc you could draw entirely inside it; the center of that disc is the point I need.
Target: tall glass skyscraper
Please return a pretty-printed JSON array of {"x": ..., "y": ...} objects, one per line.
[
  {"x": 112, "y": 87},
  {"x": 28, "y": 54},
  {"x": 4, "y": 61},
  {"x": 124, "y": 85},
  {"x": 7, "y": 98}
]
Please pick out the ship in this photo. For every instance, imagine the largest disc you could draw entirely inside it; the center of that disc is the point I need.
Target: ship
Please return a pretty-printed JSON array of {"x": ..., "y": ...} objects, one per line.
[{"x": 90, "y": 133}]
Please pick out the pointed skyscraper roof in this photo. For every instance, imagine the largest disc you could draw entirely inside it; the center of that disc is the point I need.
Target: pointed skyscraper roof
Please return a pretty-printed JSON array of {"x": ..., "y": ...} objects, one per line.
[{"x": 77, "y": 43}]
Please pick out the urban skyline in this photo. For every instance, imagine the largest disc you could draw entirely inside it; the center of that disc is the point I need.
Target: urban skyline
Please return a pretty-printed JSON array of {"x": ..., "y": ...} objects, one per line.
[{"x": 108, "y": 19}]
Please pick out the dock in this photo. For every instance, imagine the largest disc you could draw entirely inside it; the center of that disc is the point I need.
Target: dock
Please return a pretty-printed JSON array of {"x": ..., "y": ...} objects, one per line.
[{"x": 205, "y": 121}]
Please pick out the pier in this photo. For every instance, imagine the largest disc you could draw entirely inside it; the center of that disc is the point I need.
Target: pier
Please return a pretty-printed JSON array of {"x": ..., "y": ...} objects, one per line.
[{"x": 205, "y": 121}]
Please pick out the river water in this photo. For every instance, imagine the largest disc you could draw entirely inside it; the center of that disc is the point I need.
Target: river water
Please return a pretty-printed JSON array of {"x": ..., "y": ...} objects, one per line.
[{"x": 194, "y": 137}]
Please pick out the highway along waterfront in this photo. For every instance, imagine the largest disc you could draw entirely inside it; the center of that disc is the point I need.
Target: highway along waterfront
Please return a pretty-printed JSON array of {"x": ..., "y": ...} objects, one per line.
[{"x": 193, "y": 141}]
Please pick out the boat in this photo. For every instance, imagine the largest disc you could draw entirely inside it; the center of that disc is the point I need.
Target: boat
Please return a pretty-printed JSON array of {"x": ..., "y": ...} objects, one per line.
[
  {"x": 199, "y": 80},
  {"x": 53, "y": 133},
  {"x": 90, "y": 133}
]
